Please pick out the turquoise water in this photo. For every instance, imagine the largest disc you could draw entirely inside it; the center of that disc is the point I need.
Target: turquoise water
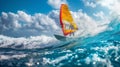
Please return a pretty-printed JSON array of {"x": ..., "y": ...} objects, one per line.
[{"x": 102, "y": 50}]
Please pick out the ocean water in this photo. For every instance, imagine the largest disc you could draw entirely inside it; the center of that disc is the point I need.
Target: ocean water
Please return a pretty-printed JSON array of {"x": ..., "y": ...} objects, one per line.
[{"x": 101, "y": 50}]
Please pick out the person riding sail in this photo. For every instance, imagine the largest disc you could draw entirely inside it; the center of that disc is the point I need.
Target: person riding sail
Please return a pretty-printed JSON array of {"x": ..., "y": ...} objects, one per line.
[{"x": 69, "y": 27}]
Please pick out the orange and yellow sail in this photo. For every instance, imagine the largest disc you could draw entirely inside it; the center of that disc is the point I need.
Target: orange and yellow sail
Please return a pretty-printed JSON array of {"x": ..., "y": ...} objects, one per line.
[{"x": 67, "y": 23}]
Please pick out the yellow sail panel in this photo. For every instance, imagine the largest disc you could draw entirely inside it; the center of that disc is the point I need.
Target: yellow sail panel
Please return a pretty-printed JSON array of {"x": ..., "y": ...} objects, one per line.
[{"x": 66, "y": 20}]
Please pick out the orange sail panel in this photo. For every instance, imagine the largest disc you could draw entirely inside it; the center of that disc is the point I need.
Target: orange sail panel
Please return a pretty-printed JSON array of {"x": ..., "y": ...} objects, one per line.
[{"x": 67, "y": 23}]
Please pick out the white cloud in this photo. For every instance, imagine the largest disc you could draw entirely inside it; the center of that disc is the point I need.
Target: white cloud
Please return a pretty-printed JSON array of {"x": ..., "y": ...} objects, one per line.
[
  {"x": 110, "y": 7},
  {"x": 113, "y": 5},
  {"x": 90, "y": 4},
  {"x": 10, "y": 20},
  {"x": 87, "y": 25},
  {"x": 23, "y": 24},
  {"x": 40, "y": 24},
  {"x": 101, "y": 17},
  {"x": 56, "y": 3},
  {"x": 24, "y": 17},
  {"x": 99, "y": 14}
]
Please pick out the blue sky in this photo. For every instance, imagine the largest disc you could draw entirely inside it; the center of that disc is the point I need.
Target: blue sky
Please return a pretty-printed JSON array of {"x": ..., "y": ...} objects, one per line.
[
  {"x": 30, "y": 6},
  {"x": 41, "y": 6}
]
